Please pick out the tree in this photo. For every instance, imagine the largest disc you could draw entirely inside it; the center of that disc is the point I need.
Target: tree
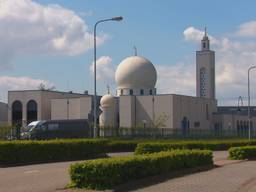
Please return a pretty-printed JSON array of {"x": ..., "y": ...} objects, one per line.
[
  {"x": 160, "y": 121},
  {"x": 5, "y": 131},
  {"x": 43, "y": 87}
]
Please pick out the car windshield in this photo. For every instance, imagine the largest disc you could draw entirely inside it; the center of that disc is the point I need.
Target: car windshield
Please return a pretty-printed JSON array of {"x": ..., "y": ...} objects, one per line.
[{"x": 29, "y": 128}]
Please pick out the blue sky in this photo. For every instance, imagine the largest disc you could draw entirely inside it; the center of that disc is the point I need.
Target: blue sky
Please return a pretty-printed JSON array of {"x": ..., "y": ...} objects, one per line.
[{"x": 165, "y": 32}]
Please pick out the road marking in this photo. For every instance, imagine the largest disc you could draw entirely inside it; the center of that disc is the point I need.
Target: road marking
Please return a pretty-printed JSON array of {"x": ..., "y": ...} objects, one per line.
[{"x": 31, "y": 171}]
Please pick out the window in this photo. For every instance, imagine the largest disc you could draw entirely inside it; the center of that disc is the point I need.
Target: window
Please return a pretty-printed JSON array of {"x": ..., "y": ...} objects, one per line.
[
  {"x": 16, "y": 113},
  {"x": 131, "y": 92},
  {"x": 204, "y": 44},
  {"x": 53, "y": 126},
  {"x": 122, "y": 92},
  {"x": 207, "y": 112},
  {"x": 202, "y": 82},
  {"x": 150, "y": 92},
  {"x": 197, "y": 124},
  {"x": 142, "y": 92}
]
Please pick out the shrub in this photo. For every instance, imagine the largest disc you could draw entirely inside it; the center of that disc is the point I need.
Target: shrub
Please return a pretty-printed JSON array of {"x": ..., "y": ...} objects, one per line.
[
  {"x": 23, "y": 152},
  {"x": 5, "y": 131},
  {"x": 107, "y": 173},
  {"x": 246, "y": 152},
  {"x": 145, "y": 148},
  {"x": 122, "y": 145}
]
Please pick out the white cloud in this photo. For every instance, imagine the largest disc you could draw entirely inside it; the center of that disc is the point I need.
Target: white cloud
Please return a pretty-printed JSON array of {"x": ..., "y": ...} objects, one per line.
[
  {"x": 21, "y": 83},
  {"x": 193, "y": 34},
  {"x": 8, "y": 83},
  {"x": 105, "y": 71},
  {"x": 247, "y": 29},
  {"x": 177, "y": 79},
  {"x": 27, "y": 27}
]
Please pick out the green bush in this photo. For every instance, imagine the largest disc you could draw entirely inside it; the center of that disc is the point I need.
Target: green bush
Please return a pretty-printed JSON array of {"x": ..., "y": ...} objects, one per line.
[
  {"x": 246, "y": 152},
  {"x": 5, "y": 131},
  {"x": 107, "y": 173},
  {"x": 23, "y": 152},
  {"x": 145, "y": 148},
  {"x": 115, "y": 145}
]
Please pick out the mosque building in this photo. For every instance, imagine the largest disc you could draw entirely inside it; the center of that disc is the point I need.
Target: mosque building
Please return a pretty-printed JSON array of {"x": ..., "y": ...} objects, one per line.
[
  {"x": 3, "y": 113},
  {"x": 137, "y": 103}
]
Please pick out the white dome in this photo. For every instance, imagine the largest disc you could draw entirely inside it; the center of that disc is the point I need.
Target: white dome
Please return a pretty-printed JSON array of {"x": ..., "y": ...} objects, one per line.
[
  {"x": 107, "y": 100},
  {"x": 135, "y": 72}
]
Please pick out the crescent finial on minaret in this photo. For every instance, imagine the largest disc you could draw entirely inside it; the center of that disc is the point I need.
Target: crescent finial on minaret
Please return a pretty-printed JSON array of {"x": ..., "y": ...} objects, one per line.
[
  {"x": 135, "y": 50},
  {"x": 108, "y": 89}
]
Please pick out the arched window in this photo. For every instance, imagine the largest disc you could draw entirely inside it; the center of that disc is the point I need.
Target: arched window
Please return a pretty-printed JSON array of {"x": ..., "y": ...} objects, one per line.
[
  {"x": 142, "y": 91},
  {"x": 150, "y": 92},
  {"x": 131, "y": 92},
  {"x": 17, "y": 113},
  {"x": 31, "y": 111}
]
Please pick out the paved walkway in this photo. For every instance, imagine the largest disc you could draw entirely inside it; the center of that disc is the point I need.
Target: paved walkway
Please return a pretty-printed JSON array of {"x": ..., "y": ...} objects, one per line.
[
  {"x": 238, "y": 177},
  {"x": 232, "y": 177}
]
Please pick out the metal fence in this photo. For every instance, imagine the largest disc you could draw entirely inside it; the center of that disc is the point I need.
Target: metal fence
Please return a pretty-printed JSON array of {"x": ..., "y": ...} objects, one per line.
[
  {"x": 175, "y": 133},
  {"x": 10, "y": 133}
]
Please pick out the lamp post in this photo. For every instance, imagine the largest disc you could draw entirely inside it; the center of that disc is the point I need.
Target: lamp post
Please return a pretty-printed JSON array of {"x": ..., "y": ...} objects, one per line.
[
  {"x": 95, "y": 92},
  {"x": 249, "y": 109}
]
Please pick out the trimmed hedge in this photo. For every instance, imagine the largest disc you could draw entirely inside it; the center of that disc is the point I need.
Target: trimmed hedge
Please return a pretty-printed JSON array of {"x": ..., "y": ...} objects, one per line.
[
  {"x": 122, "y": 145},
  {"x": 146, "y": 148},
  {"x": 239, "y": 153},
  {"x": 107, "y": 173},
  {"x": 24, "y": 152}
]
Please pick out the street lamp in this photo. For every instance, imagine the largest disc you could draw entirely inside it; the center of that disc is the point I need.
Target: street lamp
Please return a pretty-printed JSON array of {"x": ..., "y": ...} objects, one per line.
[
  {"x": 249, "y": 110},
  {"x": 119, "y": 18}
]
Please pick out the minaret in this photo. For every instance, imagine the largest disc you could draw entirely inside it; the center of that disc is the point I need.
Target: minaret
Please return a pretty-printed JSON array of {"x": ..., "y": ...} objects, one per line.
[{"x": 205, "y": 70}]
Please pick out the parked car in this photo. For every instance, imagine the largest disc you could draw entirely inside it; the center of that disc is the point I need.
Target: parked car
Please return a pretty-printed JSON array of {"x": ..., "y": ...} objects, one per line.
[{"x": 51, "y": 129}]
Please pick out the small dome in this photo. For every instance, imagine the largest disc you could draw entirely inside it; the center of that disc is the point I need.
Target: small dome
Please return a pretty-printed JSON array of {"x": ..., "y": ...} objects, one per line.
[
  {"x": 136, "y": 72},
  {"x": 107, "y": 100}
]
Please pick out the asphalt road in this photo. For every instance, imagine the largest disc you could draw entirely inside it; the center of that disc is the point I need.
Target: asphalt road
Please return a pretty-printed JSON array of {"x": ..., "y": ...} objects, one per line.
[
  {"x": 47, "y": 177},
  {"x": 52, "y": 177}
]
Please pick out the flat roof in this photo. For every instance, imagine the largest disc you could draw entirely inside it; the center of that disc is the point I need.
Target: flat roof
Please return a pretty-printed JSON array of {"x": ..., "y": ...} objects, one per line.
[
  {"x": 53, "y": 91},
  {"x": 171, "y": 94}
]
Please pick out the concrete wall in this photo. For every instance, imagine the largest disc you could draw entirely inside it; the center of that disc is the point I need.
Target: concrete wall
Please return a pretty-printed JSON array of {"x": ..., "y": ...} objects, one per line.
[
  {"x": 3, "y": 113},
  {"x": 166, "y": 111},
  {"x": 42, "y": 98},
  {"x": 199, "y": 111},
  {"x": 71, "y": 108},
  {"x": 127, "y": 111},
  {"x": 155, "y": 111},
  {"x": 230, "y": 121},
  {"x": 24, "y": 97}
]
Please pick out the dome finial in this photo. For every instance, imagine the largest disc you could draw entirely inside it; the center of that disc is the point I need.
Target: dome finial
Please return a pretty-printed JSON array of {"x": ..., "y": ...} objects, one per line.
[
  {"x": 205, "y": 31},
  {"x": 135, "y": 50},
  {"x": 108, "y": 89}
]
